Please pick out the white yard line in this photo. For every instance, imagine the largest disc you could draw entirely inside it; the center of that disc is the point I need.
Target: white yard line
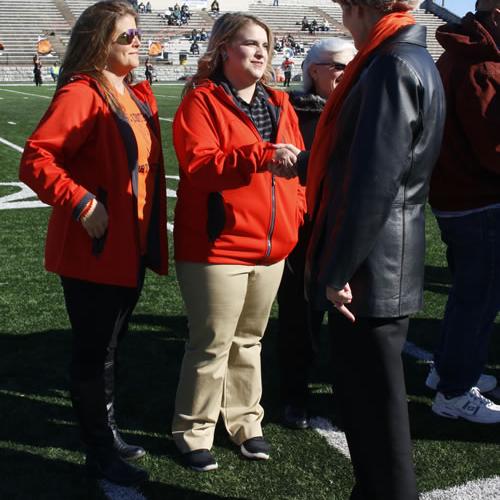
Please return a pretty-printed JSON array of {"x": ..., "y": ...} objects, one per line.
[
  {"x": 166, "y": 119},
  {"x": 19, "y": 199},
  {"x": 26, "y": 93},
  {"x": 481, "y": 489},
  {"x": 19, "y": 149},
  {"x": 334, "y": 437}
]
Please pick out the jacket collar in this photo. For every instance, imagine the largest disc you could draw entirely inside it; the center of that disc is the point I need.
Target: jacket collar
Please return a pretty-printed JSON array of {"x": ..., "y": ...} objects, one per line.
[{"x": 414, "y": 34}]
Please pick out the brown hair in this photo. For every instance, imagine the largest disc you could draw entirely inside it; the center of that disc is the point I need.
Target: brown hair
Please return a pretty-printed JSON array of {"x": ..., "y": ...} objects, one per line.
[
  {"x": 90, "y": 41},
  {"x": 223, "y": 31}
]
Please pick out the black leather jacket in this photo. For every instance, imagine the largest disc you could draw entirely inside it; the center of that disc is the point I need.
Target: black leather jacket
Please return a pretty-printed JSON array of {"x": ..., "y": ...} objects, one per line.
[{"x": 370, "y": 229}]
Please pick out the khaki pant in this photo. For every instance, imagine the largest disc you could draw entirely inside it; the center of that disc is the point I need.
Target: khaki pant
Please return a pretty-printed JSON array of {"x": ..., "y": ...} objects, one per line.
[{"x": 228, "y": 308}]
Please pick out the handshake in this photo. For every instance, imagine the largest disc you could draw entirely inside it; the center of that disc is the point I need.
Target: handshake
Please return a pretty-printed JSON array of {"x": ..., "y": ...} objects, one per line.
[{"x": 284, "y": 162}]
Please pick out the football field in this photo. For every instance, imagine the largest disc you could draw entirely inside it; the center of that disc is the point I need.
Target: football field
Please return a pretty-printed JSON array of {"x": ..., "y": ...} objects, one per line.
[{"x": 40, "y": 455}]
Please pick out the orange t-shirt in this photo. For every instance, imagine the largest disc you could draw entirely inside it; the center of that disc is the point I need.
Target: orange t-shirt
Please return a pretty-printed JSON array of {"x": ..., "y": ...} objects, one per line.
[{"x": 148, "y": 156}]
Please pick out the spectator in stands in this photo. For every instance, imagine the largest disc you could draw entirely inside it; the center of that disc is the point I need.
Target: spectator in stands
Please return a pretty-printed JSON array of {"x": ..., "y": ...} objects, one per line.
[
  {"x": 287, "y": 66},
  {"x": 141, "y": 8},
  {"x": 305, "y": 24},
  {"x": 203, "y": 35},
  {"x": 465, "y": 197},
  {"x": 37, "y": 70},
  {"x": 299, "y": 327},
  {"x": 228, "y": 264},
  {"x": 194, "y": 49},
  {"x": 54, "y": 71},
  {"x": 148, "y": 71},
  {"x": 185, "y": 11},
  {"x": 194, "y": 35},
  {"x": 79, "y": 160},
  {"x": 276, "y": 3},
  {"x": 214, "y": 6},
  {"x": 325, "y": 25},
  {"x": 375, "y": 145},
  {"x": 148, "y": 7}
]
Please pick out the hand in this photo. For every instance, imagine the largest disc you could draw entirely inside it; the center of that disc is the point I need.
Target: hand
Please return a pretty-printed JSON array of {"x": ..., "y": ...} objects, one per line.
[
  {"x": 95, "y": 222},
  {"x": 339, "y": 298},
  {"x": 283, "y": 163},
  {"x": 293, "y": 149}
]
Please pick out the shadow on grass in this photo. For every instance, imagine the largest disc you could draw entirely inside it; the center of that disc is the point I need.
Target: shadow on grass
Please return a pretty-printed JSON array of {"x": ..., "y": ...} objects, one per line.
[{"x": 36, "y": 410}]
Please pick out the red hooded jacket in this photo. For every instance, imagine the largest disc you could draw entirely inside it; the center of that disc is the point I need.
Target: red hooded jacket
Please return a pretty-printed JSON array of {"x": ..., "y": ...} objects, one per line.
[
  {"x": 82, "y": 149},
  {"x": 230, "y": 208}
]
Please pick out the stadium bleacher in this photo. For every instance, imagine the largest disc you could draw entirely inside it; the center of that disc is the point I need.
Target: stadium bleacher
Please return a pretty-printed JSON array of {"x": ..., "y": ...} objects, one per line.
[{"x": 24, "y": 22}]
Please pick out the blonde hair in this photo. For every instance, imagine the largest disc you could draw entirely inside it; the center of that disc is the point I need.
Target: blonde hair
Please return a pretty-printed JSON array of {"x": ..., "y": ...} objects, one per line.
[
  {"x": 384, "y": 5},
  {"x": 223, "y": 32},
  {"x": 90, "y": 42}
]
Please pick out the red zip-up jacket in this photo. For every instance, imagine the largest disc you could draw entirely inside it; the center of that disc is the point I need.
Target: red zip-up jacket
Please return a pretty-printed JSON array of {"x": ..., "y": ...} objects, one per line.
[
  {"x": 82, "y": 149},
  {"x": 230, "y": 208}
]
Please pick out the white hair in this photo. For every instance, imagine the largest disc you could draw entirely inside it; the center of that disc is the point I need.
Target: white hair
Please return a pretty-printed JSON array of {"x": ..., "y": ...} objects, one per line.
[{"x": 323, "y": 52}]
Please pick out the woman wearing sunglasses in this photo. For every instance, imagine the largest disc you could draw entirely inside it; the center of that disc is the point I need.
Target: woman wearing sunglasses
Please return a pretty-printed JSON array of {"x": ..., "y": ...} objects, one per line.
[{"x": 96, "y": 158}]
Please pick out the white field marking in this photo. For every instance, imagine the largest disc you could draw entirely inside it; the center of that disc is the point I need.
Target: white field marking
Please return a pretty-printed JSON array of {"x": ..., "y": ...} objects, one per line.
[
  {"x": 170, "y": 227},
  {"x": 25, "y": 85},
  {"x": 19, "y": 199},
  {"x": 175, "y": 177},
  {"x": 334, "y": 437},
  {"x": 114, "y": 491},
  {"x": 166, "y": 119},
  {"x": 481, "y": 489},
  {"x": 19, "y": 149},
  {"x": 416, "y": 352},
  {"x": 12, "y": 123},
  {"x": 26, "y": 93},
  {"x": 167, "y": 96}
]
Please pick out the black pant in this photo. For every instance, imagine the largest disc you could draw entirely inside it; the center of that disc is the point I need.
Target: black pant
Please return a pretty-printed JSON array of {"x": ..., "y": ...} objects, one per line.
[
  {"x": 99, "y": 316},
  {"x": 299, "y": 327},
  {"x": 370, "y": 393}
]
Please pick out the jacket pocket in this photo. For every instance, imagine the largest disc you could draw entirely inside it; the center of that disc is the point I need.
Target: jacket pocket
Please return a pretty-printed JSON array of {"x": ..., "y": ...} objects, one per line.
[
  {"x": 216, "y": 215},
  {"x": 98, "y": 243}
]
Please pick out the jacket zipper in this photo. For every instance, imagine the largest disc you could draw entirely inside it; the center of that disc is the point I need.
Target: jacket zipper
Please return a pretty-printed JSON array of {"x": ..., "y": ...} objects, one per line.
[{"x": 273, "y": 218}]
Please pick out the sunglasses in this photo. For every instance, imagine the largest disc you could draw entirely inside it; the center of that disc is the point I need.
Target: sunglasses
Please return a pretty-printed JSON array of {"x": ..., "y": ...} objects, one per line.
[
  {"x": 333, "y": 66},
  {"x": 127, "y": 37}
]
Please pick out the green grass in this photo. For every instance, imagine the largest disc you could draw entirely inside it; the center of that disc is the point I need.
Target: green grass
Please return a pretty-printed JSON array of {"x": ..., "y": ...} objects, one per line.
[{"x": 40, "y": 455}]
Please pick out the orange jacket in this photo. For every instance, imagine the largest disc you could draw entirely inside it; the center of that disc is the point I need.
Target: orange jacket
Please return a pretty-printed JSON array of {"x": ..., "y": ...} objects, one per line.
[
  {"x": 230, "y": 208},
  {"x": 82, "y": 149}
]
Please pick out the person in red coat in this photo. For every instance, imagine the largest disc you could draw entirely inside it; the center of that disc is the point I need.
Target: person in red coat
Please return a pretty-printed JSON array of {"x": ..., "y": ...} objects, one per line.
[
  {"x": 96, "y": 158},
  {"x": 235, "y": 223}
]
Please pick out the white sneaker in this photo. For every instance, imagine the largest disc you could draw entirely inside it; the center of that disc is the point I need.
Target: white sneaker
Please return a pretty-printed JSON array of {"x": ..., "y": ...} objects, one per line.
[
  {"x": 471, "y": 406},
  {"x": 485, "y": 383}
]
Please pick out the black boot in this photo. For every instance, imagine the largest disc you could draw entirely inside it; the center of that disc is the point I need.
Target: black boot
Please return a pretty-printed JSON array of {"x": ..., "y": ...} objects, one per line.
[
  {"x": 106, "y": 463},
  {"x": 102, "y": 460},
  {"x": 126, "y": 451}
]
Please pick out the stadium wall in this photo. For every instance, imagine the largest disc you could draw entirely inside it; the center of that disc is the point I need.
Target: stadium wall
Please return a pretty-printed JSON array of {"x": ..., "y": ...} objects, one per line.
[
  {"x": 231, "y": 5},
  {"x": 164, "y": 73}
]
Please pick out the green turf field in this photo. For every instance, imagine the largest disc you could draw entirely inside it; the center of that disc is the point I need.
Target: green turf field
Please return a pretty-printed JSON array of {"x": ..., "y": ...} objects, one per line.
[{"x": 40, "y": 456}]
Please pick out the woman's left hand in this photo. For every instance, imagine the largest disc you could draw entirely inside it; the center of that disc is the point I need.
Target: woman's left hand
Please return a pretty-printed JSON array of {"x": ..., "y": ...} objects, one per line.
[{"x": 339, "y": 298}]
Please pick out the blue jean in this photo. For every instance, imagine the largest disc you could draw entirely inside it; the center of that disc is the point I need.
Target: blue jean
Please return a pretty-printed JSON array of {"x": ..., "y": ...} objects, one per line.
[{"x": 473, "y": 254}]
